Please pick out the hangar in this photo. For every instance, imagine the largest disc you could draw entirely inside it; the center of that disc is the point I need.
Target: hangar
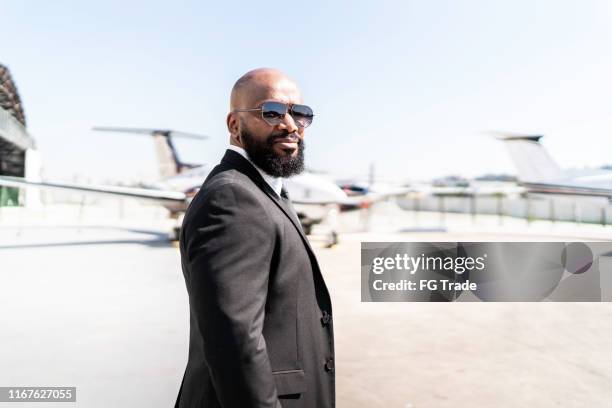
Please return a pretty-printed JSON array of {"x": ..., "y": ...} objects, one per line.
[{"x": 15, "y": 142}]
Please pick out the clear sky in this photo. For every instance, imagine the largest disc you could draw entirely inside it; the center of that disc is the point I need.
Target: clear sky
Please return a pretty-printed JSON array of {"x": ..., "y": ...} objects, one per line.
[{"x": 408, "y": 85}]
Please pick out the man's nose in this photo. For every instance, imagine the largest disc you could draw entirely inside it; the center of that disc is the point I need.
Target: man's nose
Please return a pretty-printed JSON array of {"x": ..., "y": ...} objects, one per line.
[{"x": 288, "y": 123}]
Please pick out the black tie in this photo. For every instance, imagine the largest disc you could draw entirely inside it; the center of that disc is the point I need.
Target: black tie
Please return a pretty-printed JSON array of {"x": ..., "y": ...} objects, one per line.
[{"x": 287, "y": 201}]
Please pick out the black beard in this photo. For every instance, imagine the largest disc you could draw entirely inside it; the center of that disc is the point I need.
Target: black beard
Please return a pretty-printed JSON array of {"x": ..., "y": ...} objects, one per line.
[{"x": 264, "y": 156}]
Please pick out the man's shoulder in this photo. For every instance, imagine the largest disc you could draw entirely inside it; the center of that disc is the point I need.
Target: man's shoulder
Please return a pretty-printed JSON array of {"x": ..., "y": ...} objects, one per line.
[
  {"x": 227, "y": 196},
  {"x": 225, "y": 181},
  {"x": 225, "y": 187},
  {"x": 227, "y": 178}
]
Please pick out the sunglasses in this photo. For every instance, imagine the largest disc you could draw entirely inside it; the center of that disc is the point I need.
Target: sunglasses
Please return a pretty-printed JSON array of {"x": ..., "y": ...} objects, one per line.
[{"x": 273, "y": 113}]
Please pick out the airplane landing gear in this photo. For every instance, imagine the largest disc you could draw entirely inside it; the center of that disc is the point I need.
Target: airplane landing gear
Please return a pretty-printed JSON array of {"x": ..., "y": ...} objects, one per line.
[
  {"x": 332, "y": 239},
  {"x": 175, "y": 234}
]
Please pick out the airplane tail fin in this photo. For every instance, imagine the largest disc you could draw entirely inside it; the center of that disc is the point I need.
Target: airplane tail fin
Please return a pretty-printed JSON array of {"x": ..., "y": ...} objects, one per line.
[
  {"x": 167, "y": 156},
  {"x": 532, "y": 161}
]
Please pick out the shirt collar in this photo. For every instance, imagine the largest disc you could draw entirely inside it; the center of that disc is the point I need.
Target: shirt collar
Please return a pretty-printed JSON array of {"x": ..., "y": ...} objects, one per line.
[{"x": 275, "y": 182}]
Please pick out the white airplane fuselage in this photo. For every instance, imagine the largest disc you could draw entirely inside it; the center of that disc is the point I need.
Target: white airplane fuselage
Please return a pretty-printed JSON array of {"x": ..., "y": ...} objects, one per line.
[{"x": 312, "y": 195}]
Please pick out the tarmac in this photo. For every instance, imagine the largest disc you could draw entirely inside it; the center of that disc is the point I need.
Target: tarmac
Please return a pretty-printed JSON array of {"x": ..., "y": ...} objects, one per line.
[{"x": 100, "y": 304}]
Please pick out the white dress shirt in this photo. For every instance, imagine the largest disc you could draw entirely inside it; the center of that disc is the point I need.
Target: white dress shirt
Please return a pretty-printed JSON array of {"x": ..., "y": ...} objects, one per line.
[{"x": 275, "y": 182}]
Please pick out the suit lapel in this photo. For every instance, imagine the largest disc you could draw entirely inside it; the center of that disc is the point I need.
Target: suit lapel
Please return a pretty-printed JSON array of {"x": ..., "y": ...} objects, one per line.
[
  {"x": 241, "y": 164},
  {"x": 244, "y": 166}
]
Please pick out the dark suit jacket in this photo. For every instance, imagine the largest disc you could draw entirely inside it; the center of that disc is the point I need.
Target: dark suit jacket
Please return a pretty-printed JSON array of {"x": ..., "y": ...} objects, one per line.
[{"x": 261, "y": 333}]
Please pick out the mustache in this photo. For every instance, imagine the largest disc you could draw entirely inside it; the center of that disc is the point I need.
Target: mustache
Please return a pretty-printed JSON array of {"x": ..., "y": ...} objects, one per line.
[{"x": 283, "y": 135}]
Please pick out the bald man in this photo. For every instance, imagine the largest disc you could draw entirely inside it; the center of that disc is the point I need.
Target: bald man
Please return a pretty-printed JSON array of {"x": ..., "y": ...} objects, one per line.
[{"x": 261, "y": 331}]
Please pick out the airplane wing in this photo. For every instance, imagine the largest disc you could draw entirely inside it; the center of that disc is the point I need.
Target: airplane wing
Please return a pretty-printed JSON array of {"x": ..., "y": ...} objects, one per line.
[
  {"x": 345, "y": 201},
  {"x": 374, "y": 196},
  {"x": 474, "y": 190},
  {"x": 159, "y": 196},
  {"x": 365, "y": 200},
  {"x": 360, "y": 200}
]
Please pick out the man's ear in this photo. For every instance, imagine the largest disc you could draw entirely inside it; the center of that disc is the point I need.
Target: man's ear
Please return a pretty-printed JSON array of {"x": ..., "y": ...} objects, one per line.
[{"x": 232, "y": 127}]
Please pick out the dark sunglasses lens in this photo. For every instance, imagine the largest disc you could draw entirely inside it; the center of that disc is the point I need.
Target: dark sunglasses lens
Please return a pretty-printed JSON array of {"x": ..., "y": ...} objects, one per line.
[
  {"x": 302, "y": 114},
  {"x": 273, "y": 112}
]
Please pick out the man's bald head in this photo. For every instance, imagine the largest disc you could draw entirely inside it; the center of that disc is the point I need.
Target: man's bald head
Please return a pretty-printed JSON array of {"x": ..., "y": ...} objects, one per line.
[{"x": 263, "y": 84}]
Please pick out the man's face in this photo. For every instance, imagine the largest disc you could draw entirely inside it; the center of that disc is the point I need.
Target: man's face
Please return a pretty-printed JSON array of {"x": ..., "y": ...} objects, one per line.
[
  {"x": 278, "y": 150},
  {"x": 279, "y": 154}
]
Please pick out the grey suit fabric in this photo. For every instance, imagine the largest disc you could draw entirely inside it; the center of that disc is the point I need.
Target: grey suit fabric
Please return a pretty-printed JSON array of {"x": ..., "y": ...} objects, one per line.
[{"x": 261, "y": 333}]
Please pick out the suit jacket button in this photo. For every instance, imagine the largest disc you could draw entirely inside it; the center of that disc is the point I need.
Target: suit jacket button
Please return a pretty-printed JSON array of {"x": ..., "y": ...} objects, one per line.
[
  {"x": 329, "y": 365},
  {"x": 326, "y": 318}
]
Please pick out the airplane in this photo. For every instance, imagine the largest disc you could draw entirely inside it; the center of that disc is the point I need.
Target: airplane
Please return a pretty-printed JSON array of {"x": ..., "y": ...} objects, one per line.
[
  {"x": 315, "y": 198},
  {"x": 539, "y": 173}
]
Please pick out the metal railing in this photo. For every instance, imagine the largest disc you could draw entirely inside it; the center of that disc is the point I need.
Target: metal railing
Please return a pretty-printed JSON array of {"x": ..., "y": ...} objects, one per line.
[{"x": 528, "y": 207}]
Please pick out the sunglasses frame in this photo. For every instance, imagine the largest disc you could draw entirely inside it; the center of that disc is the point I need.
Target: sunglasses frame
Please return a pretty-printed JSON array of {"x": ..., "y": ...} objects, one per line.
[{"x": 288, "y": 109}]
